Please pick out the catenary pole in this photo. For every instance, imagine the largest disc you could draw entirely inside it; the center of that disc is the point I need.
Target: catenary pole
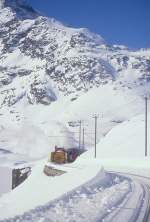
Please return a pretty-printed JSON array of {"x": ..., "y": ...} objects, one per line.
[
  {"x": 146, "y": 125},
  {"x": 83, "y": 140},
  {"x": 95, "y": 139},
  {"x": 80, "y": 122}
]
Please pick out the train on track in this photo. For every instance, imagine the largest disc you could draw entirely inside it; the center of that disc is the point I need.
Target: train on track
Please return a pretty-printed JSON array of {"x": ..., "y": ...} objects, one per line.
[{"x": 62, "y": 155}]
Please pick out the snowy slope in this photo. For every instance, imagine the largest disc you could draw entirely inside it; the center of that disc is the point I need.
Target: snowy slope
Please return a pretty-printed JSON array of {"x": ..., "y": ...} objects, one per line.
[{"x": 125, "y": 141}]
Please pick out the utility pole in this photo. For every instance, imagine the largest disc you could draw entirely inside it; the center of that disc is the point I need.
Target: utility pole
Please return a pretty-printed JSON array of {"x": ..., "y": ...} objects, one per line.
[
  {"x": 146, "y": 125},
  {"x": 80, "y": 122},
  {"x": 83, "y": 134},
  {"x": 95, "y": 117}
]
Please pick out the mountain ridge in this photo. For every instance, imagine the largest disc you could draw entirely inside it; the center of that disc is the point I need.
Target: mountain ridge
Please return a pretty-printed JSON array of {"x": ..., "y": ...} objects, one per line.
[{"x": 14, "y": 3}]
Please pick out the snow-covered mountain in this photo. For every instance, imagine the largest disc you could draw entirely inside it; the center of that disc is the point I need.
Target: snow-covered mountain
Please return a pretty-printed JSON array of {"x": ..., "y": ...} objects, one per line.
[
  {"x": 38, "y": 52},
  {"x": 47, "y": 68}
]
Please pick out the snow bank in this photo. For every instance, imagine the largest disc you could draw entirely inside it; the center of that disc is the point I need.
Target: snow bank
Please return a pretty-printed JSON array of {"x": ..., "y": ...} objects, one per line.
[
  {"x": 85, "y": 204},
  {"x": 6, "y": 180},
  {"x": 39, "y": 189}
]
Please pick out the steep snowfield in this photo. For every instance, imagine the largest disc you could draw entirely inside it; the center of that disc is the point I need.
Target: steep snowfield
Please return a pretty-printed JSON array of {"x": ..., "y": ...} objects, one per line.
[{"x": 123, "y": 148}]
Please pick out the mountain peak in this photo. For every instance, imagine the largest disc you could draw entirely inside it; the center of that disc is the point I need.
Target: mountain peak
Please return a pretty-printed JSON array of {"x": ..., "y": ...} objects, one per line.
[
  {"x": 2, "y": 4},
  {"x": 13, "y": 3},
  {"x": 21, "y": 8}
]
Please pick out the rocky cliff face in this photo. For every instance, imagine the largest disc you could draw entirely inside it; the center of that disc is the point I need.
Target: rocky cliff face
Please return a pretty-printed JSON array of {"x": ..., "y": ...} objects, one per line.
[{"x": 40, "y": 58}]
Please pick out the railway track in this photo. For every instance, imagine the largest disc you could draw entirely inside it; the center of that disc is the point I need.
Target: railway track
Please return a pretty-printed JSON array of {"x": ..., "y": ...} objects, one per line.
[
  {"x": 133, "y": 204},
  {"x": 140, "y": 211},
  {"x": 147, "y": 212}
]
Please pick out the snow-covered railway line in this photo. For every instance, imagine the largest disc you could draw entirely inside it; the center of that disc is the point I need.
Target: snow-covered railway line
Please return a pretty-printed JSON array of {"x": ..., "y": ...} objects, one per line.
[
  {"x": 136, "y": 206},
  {"x": 144, "y": 214},
  {"x": 123, "y": 198},
  {"x": 92, "y": 202},
  {"x": 147, "y": 212}
]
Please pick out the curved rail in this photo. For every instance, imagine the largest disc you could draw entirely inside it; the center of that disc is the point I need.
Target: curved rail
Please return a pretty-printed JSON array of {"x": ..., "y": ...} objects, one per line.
[{"x": 141, "y": 212}]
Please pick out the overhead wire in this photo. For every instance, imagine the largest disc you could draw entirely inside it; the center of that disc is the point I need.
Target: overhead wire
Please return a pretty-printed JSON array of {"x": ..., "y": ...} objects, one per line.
[{"x": 105, "y": 113}]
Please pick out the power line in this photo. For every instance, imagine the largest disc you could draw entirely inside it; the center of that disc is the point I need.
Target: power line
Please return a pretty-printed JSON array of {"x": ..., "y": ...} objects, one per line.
[
  {"x": 118, "y": 107},
  {"x": 82, "y": 131}
]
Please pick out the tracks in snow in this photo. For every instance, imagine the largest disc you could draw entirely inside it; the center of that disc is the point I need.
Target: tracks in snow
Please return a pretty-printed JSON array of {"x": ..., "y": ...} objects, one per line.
[
  {"x": 124, "y": 201},
  {"x": 90, "y": 202},
  {"x": 136, "y": 206}
]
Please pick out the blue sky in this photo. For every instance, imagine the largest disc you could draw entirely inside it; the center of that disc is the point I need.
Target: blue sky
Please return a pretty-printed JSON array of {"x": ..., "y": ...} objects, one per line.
[{"x": 124, "y": 22}]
